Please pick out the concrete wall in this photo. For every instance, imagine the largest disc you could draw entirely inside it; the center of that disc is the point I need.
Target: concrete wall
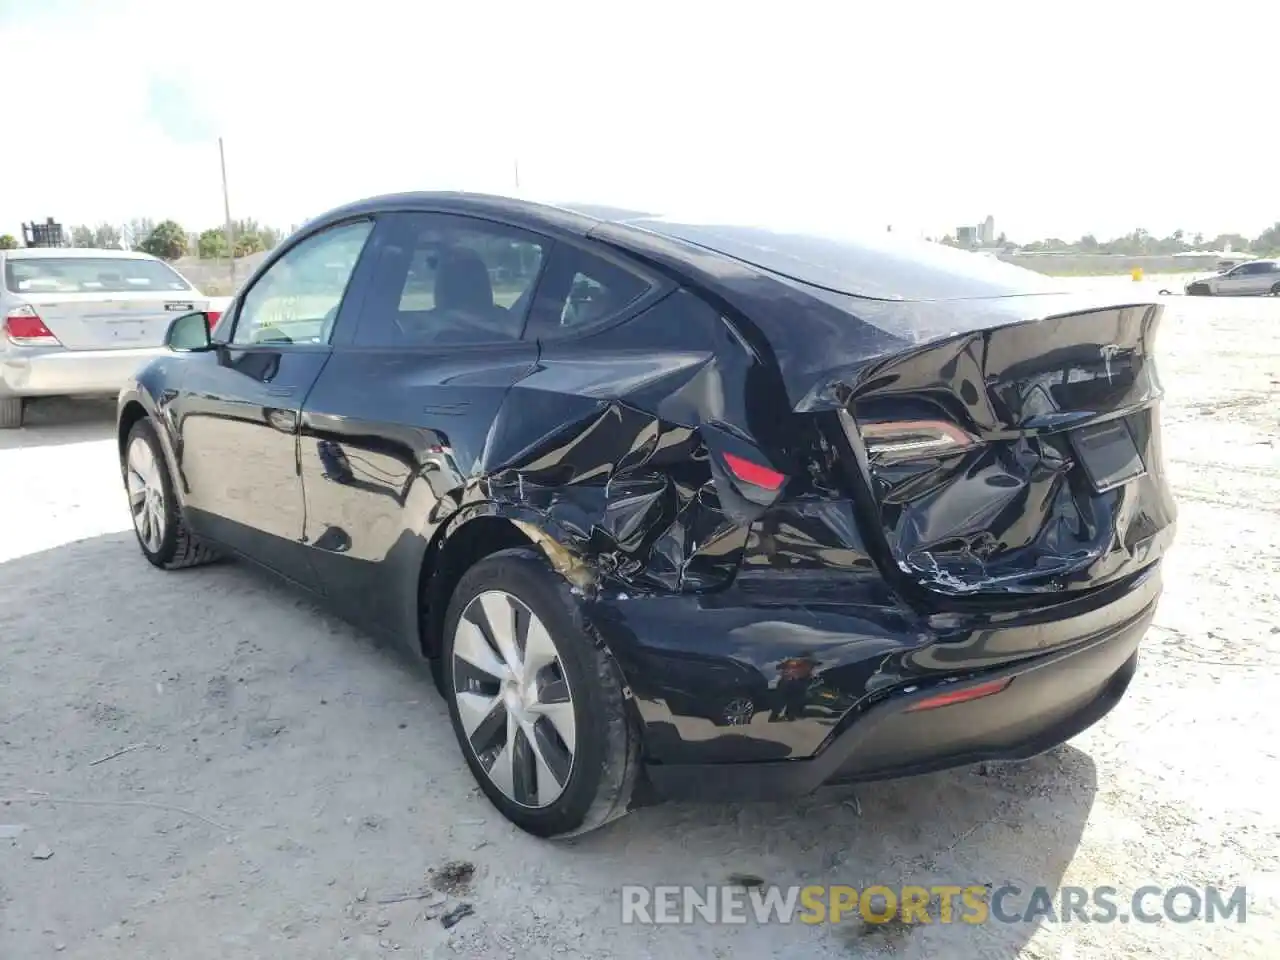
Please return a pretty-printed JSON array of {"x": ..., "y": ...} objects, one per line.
[
  {"x": 214, "y": 276},
  {"x": 1100, "y": 264}
]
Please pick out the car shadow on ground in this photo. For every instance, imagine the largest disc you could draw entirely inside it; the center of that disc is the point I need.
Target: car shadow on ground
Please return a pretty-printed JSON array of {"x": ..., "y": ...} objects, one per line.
[
  {"x": 51, "y": 421},
  {"x": 994, "y": 826},
  {"x": 300, "y": 777}
]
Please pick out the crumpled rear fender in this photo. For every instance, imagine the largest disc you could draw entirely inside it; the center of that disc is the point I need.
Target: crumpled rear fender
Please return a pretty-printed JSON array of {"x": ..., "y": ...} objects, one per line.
[{"x": 610, "y": 453}]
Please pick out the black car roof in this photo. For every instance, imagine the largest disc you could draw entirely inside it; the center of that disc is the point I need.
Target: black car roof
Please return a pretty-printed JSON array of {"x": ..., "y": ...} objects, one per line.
[
  {"x": 509, "y": 209},
  {"x": 873, "y": 266}
]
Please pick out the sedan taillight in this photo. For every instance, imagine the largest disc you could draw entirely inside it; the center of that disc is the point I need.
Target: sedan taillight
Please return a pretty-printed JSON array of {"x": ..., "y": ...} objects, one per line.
[{"x": 24, "y": 327}]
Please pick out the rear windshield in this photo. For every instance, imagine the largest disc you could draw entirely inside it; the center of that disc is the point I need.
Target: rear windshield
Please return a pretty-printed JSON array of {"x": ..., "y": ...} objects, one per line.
[
  {"x": 89, "y": 275},
  {"x": 884, "y": 269}
]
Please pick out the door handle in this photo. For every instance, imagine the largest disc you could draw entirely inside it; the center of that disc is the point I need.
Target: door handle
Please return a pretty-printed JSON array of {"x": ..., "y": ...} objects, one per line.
[{"x": 281, "y": 391}]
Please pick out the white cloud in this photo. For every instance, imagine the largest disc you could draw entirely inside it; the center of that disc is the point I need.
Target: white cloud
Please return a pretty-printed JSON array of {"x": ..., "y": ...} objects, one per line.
[{"x": 1091, "y": 117}]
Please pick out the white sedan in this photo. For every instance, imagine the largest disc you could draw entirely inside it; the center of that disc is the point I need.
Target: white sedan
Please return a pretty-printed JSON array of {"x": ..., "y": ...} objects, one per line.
[
  {"x": 80, "y": 322},
  {"x": 1256, "y": 278}
]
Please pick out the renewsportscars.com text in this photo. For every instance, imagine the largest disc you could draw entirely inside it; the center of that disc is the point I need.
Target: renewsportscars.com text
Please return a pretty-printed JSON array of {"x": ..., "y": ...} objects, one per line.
[{"x": 940, "y": 903}]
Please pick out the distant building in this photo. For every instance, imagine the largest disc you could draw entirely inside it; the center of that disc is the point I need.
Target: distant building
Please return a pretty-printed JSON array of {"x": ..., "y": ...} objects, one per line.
[
  {"x": 47, "y": 234},
  {"x": 977, "y": 237}
]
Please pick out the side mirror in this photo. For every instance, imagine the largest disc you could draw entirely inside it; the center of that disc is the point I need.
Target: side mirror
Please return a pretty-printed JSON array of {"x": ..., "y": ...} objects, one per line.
[{"x": 189, "y": 333}]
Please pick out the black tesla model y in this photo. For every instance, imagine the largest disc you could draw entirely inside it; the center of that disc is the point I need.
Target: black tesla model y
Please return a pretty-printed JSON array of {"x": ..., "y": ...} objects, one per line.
[{"x": 677, "y": 507}]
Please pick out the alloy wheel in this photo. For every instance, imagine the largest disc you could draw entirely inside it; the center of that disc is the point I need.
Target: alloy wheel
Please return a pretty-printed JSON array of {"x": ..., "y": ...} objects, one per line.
[
  {"x": 738, "y": 712},
  {"x": 146, "y": 493},
  {"x": 513, "y": 699}
]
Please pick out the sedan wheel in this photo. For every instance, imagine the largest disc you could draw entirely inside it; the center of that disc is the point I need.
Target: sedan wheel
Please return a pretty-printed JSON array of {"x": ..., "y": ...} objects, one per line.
[
  {"x": 12, "y": 411},
  {"x": 513, "y": 698},
  {"x": 536, "y": 705}
]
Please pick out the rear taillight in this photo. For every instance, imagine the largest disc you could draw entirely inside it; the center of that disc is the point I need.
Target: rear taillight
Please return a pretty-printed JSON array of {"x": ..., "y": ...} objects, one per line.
[
  {"x": 24, "y": 327},
  {"x": 753, "y": 473},
  {"x": 213, "y": 316},
  {"x": 899, "y": 440}
]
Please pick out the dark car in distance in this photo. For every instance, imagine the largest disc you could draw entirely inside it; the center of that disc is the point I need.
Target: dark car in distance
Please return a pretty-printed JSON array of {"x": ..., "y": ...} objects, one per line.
[{"x": 675, "y": 507}]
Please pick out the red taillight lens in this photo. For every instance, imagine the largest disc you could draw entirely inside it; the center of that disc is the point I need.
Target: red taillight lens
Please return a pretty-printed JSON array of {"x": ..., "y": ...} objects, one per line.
[
  {"x": 912, "y": 439},
  {"x": 963, "y": 695},
  {"x": 753, "y": 473},
  {"x": 24, "y": 326},
  {"x": 213, "y": 316}
]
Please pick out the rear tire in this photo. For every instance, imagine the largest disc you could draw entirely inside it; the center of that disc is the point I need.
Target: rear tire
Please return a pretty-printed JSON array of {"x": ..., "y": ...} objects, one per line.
[
  {"x": 574, "y": 769},
  {"x": 12, "y": 412},
  {"x": 159, "y": 526},
  {"x": 1275, "y": 290}
]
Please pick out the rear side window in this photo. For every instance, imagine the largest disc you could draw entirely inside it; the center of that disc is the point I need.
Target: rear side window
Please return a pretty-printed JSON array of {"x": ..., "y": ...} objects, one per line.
[
  {"x": 581, "y": 291},
  {"x": 90, "y": 275},
  {"x": 448, "y": 280}
]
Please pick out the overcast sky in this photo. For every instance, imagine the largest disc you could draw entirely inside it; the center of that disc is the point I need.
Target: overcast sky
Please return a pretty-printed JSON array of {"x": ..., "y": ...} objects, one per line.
[{"x": 1057, "y": 119}]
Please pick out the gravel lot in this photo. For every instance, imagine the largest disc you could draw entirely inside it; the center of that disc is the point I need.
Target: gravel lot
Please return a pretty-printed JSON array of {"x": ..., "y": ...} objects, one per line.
[{"x": 291, "y": 774}]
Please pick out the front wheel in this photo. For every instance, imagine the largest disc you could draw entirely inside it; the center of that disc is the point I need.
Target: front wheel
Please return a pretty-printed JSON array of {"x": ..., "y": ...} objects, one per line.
[
  {"x": 536, "y": 705},
  {"x": 157, "y": 519}
]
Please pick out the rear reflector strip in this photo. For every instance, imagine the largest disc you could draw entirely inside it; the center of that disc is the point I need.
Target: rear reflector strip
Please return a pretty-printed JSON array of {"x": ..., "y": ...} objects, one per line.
[
  {"x": 754, "y": 473},
  {"x": 963, "y": 695}
]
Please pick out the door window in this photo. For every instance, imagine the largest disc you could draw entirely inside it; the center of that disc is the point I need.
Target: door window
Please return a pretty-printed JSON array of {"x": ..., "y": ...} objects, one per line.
[
  {"x": 447, "y": 280},
  {"x": 297, "y": 299}
]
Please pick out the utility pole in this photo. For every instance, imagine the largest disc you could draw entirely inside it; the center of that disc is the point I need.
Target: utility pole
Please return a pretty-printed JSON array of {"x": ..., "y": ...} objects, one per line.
[
  {"x": 517, "y": 169},
  {"x": 226, "y": 209}
]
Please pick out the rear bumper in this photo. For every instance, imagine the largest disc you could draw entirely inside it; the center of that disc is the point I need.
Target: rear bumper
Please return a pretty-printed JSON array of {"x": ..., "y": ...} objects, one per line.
[
  {"x": 1044, "y": 705},
  {"x": 57, "y": 371},
  {"x": 739, "y": 699}
]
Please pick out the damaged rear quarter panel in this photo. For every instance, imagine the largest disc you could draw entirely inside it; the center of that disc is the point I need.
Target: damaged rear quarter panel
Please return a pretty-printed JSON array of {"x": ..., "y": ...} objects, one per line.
[{"x": 612, "y": 443}]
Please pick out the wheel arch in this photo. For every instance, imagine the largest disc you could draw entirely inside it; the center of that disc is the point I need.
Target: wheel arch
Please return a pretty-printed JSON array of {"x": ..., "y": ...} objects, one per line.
[
  {"x": 478, "y": 531},
  {"x": 135, "y": 406},
  {"x": 130, "y": 413},
  {"x": 474, "y": 533}
]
